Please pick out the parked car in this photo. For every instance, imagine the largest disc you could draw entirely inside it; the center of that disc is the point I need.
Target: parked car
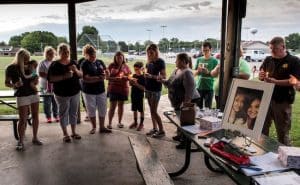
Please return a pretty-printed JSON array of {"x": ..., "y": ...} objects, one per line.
[
  {"x": 170, "y": 55},
  {"x": 255, "y": 55}
]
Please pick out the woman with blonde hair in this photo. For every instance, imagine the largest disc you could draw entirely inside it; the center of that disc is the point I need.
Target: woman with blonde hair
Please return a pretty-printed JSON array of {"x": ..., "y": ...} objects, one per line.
[
  {"x": 155, "y": 73},
  {"x": 17, "y": 77},
  {"x": 118, "y": 87},
  {"x": 46, "y": 86},
  {"x": 65, "y": 74}
]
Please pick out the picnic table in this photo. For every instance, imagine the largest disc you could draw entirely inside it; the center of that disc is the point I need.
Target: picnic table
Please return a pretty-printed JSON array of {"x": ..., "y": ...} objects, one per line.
[
  {"x": 8, "y": 98},
  {"x": 213, "y": 162}
]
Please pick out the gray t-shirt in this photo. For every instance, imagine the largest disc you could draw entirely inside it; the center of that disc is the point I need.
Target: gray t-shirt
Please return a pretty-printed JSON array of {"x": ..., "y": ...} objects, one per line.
[
  {"x": 43, "y": 67},
  {"x": 181, "y": 87}
]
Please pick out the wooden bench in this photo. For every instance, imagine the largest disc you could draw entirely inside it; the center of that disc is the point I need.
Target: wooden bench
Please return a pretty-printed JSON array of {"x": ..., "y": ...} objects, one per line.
[
  {"x": 148, "y": 163},
  {"x": 14, "y": 118}
]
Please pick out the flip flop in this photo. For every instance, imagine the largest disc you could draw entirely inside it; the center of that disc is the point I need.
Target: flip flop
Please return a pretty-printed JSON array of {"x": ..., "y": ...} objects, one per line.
[
  {"x": 76, "y": 136},
  {"x": 93, "y": 131},
  {"x": 67, "y": 139}
]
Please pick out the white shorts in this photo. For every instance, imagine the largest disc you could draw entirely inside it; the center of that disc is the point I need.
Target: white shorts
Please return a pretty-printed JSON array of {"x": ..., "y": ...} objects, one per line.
[
  {"x": 27, "y": 100},
  {"x": 95, "y": 102}
]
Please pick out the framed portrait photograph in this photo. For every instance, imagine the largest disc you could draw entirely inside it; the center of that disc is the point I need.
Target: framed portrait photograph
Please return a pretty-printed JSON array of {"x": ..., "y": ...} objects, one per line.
[{"x": 247, "y": 106}]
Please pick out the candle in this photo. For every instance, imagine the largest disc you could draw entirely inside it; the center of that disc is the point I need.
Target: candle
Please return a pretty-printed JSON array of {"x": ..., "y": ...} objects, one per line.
[{"x": 267, "y": 74}]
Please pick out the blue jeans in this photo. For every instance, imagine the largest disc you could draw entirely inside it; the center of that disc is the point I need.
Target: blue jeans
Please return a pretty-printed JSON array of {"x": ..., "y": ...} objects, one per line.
[
  {"x": 206, "y": 97},
  {"x": 49, "y": 102}
]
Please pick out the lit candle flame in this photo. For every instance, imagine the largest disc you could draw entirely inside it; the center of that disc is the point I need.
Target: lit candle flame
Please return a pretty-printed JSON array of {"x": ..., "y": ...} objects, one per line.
[{"x": 267, "y": 74}]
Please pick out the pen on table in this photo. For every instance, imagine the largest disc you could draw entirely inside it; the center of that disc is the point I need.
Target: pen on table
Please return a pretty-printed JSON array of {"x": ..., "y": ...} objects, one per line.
[{"x": 251, "y": 168}]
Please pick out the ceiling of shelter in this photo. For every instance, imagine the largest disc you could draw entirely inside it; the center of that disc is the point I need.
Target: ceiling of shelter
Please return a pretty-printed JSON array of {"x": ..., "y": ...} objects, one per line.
[{"x": 122, "y": 19}]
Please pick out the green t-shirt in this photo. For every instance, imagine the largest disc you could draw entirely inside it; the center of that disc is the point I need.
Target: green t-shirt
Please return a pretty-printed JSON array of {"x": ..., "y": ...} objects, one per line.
[
  {"x": 205, "y": 81},
  {"x": 244, "y": 68}
]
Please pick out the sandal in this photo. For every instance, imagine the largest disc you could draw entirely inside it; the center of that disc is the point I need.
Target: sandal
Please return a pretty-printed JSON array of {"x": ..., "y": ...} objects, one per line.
[
  {"x": 93, "y": 131},
  {"x": 109, "y": 126},
  {"x": 67, "y": 139},
  {"x": 104, "y": 130},
  {"x": 140, "y": 127},
  {"x": 20, "y": 146},
  {"x": 120, "y": 125},
  {"x": 37, "y": 142},
  {"x": 76, "y": 136}
]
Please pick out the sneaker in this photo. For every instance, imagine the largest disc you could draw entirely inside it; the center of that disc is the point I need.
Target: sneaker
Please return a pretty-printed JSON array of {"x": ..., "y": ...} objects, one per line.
[
  {"x": 151, "y": 132},
  {"x": 120, "y": 125},
  {"x": 49, "y": 120},
  {"x": 181, "y": 145},
  {"x": 140, "y": 127},
  {"x": 37, "y": 142},
  {"x": 20, "y": 146},
  {"x": 176, "y": 138},
  {"x": 57, "y": 119},
  {"x": 133, "y": 125},
  {"x": 159, "y": 134}
]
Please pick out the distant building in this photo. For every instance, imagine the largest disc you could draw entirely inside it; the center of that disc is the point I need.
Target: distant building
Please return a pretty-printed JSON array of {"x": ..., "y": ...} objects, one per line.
[
  {"x": 8, "y": 51},
  {"x": 255, "y": 45}
]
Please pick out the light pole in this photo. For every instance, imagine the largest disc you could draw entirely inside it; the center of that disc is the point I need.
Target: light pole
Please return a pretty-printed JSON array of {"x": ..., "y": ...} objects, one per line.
[
  {"x": 163, "y": 35},
  {"x": 128, "y": 46},
  {"x": 138, "y": 43},
  {"x": 149, "y": 34},
  {"x": 163, "y": 30}
]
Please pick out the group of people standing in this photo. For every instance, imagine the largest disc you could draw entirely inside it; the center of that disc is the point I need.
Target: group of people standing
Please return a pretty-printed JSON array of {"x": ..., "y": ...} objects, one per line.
[{"x": 66, "y": 78}]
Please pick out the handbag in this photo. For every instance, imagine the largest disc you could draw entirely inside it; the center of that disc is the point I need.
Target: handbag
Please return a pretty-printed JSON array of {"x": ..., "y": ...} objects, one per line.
[{"x": 187, "y": 114}]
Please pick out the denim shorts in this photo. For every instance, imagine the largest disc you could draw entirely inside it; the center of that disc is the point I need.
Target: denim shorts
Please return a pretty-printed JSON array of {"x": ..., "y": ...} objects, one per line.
[{"x": 153, "y": 95}]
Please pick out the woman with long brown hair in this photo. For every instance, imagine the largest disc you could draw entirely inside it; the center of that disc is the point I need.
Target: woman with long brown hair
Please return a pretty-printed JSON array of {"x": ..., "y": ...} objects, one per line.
[
  {"x": 118, "y": 87},
  {"x": 156, "y": 71}
]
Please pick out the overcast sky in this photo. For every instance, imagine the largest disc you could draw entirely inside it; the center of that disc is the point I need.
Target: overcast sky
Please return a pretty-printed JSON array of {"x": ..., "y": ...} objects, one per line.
[{"x": 129, "y": 20}]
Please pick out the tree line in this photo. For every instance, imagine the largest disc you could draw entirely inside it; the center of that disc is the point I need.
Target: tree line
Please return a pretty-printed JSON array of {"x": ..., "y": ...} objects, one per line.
[{"x": 35, "y": 42}]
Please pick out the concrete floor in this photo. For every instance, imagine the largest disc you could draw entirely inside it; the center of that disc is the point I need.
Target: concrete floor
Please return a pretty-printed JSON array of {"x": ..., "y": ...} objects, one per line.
[{"x": 96, "y": 159}]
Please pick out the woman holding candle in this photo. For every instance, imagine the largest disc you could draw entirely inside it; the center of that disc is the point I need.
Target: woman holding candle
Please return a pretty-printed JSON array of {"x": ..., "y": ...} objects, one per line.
[
  {"x": 156, "y": 71},
  {"x": 65, "y": 74},
  {"x": 118, "y": 87},
  {"x": 93, "y": 88}
]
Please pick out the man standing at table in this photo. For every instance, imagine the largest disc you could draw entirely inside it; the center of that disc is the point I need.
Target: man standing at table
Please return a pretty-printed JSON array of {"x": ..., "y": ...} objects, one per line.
[
  {"x": 205, "y": 82},
  {"x": 277, "y": 69}
]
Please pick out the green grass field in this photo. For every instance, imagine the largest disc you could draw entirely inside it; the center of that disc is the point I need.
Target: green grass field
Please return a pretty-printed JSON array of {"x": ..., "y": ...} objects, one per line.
[{"x": 295, "y": 131}]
